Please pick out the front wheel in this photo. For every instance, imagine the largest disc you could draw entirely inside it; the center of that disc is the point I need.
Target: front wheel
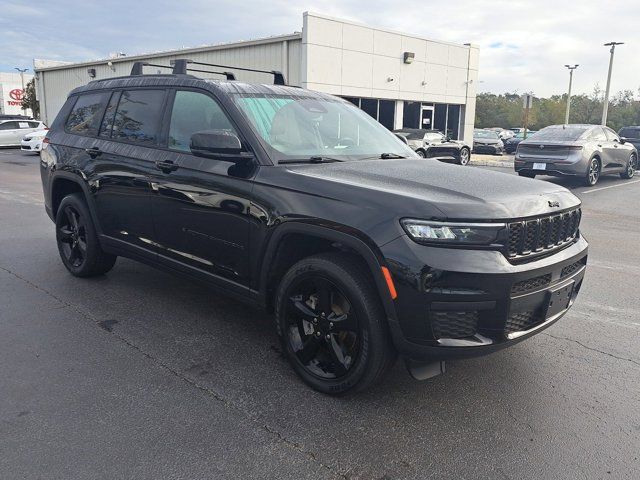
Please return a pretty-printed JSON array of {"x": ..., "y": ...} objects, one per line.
[
  {"x": 332, "y": 325},
  {"x": 78, "y": 243},
  {"x": 465, "y": 156},
  {"x": 593, "y": 173},
  {"x": 631, "y": 167},
  {"x": 421, "y": 153}
]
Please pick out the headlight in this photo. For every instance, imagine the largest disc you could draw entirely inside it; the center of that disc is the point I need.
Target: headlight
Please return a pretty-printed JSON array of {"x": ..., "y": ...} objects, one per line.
[{"x": 445, "y": 233}]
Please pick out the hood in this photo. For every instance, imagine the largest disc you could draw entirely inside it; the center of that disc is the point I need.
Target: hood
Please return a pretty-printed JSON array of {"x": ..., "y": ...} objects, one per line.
[
  {"x": 487, "y": 141},
  {"x": 417, "y": 186}
]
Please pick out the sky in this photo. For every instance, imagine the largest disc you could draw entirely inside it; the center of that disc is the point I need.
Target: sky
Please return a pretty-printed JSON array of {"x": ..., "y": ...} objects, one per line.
[{"x": 524, "y": 45}]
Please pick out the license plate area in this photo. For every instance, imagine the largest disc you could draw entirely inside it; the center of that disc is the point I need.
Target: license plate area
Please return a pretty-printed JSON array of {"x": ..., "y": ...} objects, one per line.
[
  {"x": 559, "y": 299},
  {"x": 539, "y": 166}
]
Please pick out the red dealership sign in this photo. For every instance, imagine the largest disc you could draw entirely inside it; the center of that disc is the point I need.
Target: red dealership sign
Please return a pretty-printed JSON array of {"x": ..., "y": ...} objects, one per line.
[{"x": 16, "y": 94}]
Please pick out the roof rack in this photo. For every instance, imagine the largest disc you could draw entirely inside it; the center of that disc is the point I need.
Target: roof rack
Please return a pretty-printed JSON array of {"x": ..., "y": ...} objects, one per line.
[
  {"x": 180, "y": 66},
  {"x": 137, "y": 67}
]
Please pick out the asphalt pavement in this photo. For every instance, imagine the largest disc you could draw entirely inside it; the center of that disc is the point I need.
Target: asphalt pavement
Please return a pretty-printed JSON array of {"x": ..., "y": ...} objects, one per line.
[{"x": 138, "y": 374}]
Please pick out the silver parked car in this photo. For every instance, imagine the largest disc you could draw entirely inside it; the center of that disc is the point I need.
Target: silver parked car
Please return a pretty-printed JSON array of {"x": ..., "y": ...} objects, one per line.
[{"x": 585, "y": 151}]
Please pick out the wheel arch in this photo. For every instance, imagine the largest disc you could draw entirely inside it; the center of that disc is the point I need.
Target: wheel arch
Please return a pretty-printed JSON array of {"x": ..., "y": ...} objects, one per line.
[
  {"x": 272, "y": 266},
  {"x": 66, "y": 183}
]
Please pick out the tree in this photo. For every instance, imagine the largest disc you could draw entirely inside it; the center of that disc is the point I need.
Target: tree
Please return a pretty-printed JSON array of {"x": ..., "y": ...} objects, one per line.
[{"x": 29, "y": 98}]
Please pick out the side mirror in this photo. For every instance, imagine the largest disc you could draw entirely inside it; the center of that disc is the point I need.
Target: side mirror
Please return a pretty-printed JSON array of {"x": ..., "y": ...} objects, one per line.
[
  {"x": 623, "y": 140},
  {"x": 220, "y": 145},
  {"x": 446, "y": 139},
  {"x": 402, "y": 138}
]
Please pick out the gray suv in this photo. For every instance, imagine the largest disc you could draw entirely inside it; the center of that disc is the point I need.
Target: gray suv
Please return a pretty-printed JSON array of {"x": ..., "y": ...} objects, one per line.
[{"x": 585, "y": 151}]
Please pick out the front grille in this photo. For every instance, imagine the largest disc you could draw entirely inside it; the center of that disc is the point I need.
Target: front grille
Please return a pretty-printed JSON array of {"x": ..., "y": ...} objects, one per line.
[
  {"x": 531, "y": 284},
  {"x": 521, "y": 321},
  {"x": 542, "y": 235},
  {"x": 570, "y": 269},
  {"x": 454, "y": 324}
]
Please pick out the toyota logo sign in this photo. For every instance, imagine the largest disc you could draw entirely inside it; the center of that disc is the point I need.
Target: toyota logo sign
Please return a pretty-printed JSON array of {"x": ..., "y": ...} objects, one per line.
[{"x": 16, "y": 94}]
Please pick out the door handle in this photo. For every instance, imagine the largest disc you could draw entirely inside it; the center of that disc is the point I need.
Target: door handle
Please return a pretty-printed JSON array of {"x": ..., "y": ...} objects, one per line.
[
  {"x": 166, "y": 166},
  {"x": 93, "y": 152}
]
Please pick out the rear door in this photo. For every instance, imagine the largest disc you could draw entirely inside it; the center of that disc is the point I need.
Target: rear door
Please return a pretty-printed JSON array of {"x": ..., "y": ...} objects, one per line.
[
  {"x": 9, "y": 132},
  {"x": 124, "y": 154},
  {"x": 607, "y": 147},
  {"x": 201, "y": 208},
  {"x": 620, "y": 152}
]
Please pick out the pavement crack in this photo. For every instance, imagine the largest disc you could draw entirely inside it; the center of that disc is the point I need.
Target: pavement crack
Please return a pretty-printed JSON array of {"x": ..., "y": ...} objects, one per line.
[
  {"x": 593, "y": 349},
  {"x": 100, "y": 324}
]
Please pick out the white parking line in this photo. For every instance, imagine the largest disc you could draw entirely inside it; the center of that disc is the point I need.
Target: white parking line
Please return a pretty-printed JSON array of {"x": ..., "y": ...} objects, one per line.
[{"x": 610, "y": 186}]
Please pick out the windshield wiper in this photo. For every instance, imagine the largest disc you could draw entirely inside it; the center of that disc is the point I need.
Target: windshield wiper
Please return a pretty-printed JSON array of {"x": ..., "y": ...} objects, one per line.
[
  {"x": 385, "y": 156},
  {"x": 316, "y": 159}
]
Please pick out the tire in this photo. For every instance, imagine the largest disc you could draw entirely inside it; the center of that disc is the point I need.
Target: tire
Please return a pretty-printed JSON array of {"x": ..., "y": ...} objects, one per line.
[
  {"x": 631, "y": 167},
  {"x": 465, "y": 156},
  {"x": 421, "y": 153},
  {"x": 337, "y": 342},
  {"x": 527, "y": 174},
  {"x": 78, "y": 243},
  {"x": 593, "y": 172}
]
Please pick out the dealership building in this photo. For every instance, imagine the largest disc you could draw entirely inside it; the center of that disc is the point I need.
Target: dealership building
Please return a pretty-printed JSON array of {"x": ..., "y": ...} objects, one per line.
[
  {"x": 400, "y": 79},
  {"x": 11, "y": 93}
]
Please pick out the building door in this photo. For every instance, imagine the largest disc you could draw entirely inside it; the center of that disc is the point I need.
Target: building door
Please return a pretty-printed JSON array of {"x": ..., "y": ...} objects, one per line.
[{"x": 426, "y": 117}]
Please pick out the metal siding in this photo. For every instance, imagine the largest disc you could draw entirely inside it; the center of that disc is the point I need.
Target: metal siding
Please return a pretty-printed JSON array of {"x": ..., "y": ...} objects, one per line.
[{"x": 57, "y": 83}]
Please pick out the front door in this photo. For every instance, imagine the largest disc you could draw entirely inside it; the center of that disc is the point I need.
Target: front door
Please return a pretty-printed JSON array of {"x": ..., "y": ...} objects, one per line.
[{"x": 201, "y": 206}]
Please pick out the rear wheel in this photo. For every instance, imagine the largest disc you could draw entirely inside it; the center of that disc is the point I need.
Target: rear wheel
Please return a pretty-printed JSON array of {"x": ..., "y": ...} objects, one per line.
[
  {"x": 78, "y": 243},
  {"x": 593, "y": 173},
  {"x": 465, "y": 156},
  {"x": 631, "y": 167},
  {"x": 332, "y": 325}
]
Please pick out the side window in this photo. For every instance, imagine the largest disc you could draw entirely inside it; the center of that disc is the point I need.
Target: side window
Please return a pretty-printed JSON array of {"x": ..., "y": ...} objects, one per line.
[
  {"x": 433, "y": 137},
  {"x": 86, "y": 114},
  {"x": 33, "y": 124},
  {"x": 137, "y": 117},
  {"x": 193, "y": 112},
  {"x": 598, "y": 134},
  {"x": 109, "y": 116},
  {"x": 8, "y": 125},
  {"x": 611, "y": 135},
  {"x": 24, "y": 125}
]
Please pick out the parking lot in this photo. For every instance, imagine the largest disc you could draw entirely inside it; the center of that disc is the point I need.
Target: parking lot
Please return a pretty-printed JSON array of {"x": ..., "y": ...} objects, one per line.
[{"x": 139, "y": 374}]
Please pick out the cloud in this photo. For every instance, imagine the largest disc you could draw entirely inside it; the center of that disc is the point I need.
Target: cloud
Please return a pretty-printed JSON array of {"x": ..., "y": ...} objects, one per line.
[{"x": 524, "y": 45}]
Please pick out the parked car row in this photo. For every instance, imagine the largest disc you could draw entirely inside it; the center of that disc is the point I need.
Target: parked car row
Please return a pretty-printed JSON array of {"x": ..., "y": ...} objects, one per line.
[
  {"x": 511, "y": 144},
  {"x": 432, "y": 143}
]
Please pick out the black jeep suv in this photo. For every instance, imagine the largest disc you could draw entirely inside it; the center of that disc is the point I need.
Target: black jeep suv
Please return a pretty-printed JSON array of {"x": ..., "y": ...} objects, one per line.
[{"x": 301, "y": 203}]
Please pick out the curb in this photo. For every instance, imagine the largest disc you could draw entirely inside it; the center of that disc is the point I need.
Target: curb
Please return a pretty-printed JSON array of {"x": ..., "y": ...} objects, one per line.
[{"x": 492, "y": 161}]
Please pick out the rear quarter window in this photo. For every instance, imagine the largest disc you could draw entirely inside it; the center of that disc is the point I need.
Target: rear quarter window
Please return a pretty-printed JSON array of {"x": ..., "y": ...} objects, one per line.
[{"x": 86, "y": 114}]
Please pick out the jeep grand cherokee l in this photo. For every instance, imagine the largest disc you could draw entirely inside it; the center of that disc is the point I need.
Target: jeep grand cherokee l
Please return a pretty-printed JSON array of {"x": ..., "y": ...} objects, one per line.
[{"x": 299, "y": 202}]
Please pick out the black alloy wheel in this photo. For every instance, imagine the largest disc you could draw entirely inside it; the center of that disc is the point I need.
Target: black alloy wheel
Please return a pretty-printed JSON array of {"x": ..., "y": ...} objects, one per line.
[
  {"x": 332, "y": 325},
  {"x": 465, "y": 156},
  {"x": 78, "y": 243},
  {"x": 323, "y": 329},
  {"x": 421, "y": 153}
]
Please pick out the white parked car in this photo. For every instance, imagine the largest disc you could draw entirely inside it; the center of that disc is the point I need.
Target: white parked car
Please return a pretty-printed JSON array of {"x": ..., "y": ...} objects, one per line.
[
  {"x": 13, "y": 131},
  {"x": 32, "y": 142}
]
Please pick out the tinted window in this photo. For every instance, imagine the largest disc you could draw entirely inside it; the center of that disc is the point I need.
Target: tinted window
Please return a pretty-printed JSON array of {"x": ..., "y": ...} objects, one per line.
[
  {"x": 597, "y": 134},
  {"x": 433, "y": 137},
  {"x": 109, "y": 115},
  {"x": 8, "y": 125},
  {"x": 193, "y": 112},
  {"x": 137, "y": 118},
  {"x": 86, "y": 114},
  {"x": 560, "y": 133},
  {"x": 630, "y": 132},
  {"x": 34, "y": 124},
  {"x": 611, "y": 135}
]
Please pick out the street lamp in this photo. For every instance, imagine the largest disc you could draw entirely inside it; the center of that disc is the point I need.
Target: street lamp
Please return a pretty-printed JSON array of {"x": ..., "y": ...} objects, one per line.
[
  {"x": 571, "y": 69},
  {"x": 605, "y": 108},
  {"x": 22, "y": 70}
]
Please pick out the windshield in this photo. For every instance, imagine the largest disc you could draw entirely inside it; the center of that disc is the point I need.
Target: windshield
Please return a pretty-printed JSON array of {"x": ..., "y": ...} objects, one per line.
[
  {"x": 485, "y": 134},
  {"x": 630, "y": 133},
  {"x": 301, "y": 127},
  {"x": 560, "y": 133},
  {"x": 415, "y": 134}
]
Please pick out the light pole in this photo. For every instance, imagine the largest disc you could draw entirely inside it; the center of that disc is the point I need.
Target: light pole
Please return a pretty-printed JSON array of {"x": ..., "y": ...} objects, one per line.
[
  {"x": 605, "y": 108},
  {"x": 22, "y": 70},
  {"x": 566, "y": 115}
]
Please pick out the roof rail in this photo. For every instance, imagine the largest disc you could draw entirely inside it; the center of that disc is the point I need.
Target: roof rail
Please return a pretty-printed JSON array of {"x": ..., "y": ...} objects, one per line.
[
  {"x": 137, "y": 67},
  {"x": 180, "y": 67}
]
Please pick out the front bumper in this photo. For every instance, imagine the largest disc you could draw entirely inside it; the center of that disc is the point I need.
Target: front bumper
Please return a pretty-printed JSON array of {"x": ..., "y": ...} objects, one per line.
[
  {"x": 31, "y": 145},
  {"x": 455, "y": 303}
]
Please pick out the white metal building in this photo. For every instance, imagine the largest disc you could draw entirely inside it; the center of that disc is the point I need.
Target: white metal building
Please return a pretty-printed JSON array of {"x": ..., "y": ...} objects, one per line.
[
  {"x": 11, "y": 92},
  {"x": 399, "y": 79}
]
